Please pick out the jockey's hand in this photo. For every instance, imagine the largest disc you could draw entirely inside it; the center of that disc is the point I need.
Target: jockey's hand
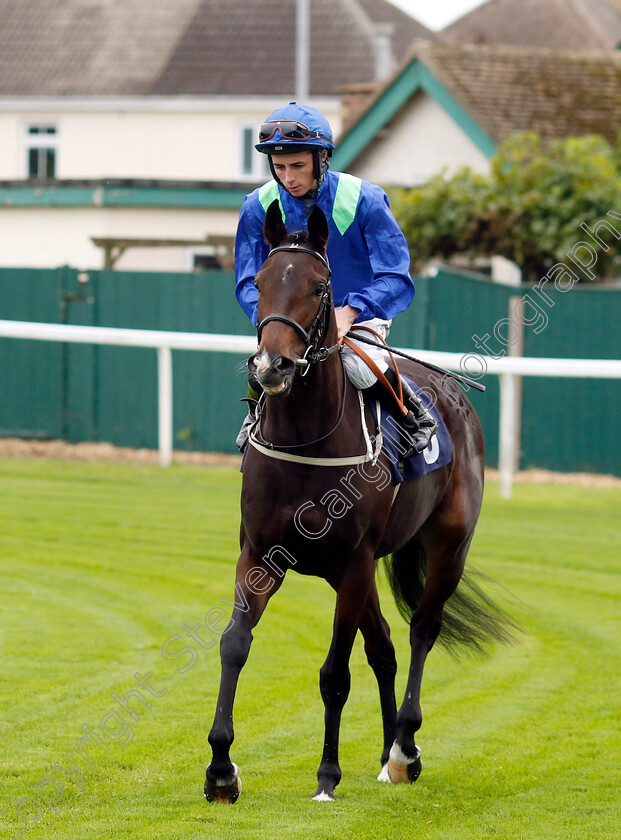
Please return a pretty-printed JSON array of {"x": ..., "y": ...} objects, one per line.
[{"x": 345, "y": 317}]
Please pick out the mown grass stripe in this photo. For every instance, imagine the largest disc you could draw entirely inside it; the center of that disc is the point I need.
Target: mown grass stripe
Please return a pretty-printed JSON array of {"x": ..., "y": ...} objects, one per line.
[{"x": 101, "y": 563}]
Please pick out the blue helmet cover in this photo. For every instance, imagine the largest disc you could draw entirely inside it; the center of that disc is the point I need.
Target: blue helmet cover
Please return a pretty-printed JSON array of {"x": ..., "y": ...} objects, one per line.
[{"x": 305, "y": 114}]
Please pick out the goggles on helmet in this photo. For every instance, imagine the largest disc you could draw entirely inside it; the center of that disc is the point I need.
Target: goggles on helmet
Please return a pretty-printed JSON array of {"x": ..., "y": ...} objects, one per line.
[{"x": 290, "y": 130}]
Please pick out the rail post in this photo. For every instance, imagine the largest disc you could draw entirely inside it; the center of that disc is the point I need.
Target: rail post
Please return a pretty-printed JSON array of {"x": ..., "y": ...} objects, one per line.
[
  {"x": 165, "y": 405},
  {"x": 509, "y": 388}
]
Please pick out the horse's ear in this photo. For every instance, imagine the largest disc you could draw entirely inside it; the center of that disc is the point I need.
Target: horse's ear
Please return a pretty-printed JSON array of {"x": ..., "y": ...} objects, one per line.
[
  {"x": 318, "y": 230},
  {"x": 274, "y": 229}
]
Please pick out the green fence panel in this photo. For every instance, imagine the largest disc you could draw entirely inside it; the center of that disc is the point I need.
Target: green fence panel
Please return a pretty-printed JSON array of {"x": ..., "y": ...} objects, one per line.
[
  {"x": 572, "y": 425},
  {"x": 207, "y": 386},
  {"x": 85, "y": 392},
  {"x": 31, "y": 382}
]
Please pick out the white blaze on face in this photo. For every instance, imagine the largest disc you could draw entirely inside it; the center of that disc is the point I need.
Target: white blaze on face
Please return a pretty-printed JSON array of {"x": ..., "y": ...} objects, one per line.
[
  {"x": 262, "y": 362},
  {"x": 287, "y": 273}
]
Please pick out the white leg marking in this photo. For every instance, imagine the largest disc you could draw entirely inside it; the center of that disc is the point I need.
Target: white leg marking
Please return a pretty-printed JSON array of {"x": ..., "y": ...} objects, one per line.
[
  {"x": 397, "y": 756},
  {"x": 323, "y": 797}
]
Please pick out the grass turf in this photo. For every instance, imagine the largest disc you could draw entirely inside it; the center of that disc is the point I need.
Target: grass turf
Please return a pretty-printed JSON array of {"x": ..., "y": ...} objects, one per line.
[{"x": 103, "y": 565}]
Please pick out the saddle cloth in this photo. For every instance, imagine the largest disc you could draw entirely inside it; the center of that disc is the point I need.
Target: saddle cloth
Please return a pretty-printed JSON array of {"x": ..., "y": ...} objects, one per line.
[{"x": 437, "y": 454}]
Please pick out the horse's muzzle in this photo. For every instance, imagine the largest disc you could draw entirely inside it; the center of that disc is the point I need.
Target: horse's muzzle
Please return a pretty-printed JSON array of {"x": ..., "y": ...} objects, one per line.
[{"x": 275, "y": 376}]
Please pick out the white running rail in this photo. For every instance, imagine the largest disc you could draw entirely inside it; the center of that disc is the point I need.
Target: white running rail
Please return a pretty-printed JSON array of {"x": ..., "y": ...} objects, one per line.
[{"x": 508, "y": 368}]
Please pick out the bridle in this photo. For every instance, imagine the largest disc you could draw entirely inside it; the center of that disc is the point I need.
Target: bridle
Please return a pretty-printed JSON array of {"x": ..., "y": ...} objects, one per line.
[
  {"x": 315, "y": 334},
  {"x": 312, "y": 338}
]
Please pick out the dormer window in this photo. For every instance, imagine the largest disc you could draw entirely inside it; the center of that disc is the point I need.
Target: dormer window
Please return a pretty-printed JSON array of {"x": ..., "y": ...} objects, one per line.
[{"x": 41, "y": 151}]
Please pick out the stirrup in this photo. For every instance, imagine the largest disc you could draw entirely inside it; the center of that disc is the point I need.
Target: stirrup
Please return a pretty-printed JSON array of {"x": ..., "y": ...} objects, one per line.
[
  {"x": 416, "y": 439},
  {"x": 241, "y": 441},
  {"x": 255, "y": 410}
]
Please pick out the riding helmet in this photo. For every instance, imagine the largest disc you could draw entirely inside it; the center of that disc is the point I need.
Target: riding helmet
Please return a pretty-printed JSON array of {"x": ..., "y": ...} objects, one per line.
[{"x": 319, "y": 130}]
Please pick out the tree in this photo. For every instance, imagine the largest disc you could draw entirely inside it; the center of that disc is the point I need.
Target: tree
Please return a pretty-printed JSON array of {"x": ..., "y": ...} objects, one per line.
[{"x": 528, "y": 209}]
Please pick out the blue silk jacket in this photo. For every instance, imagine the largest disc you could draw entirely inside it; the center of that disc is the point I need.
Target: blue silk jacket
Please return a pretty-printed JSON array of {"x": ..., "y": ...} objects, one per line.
[{"x": 367, "y": 251}]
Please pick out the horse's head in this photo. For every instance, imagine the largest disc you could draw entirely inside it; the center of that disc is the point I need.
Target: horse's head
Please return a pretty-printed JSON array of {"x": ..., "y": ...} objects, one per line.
[{"x": 295, "y": 301}]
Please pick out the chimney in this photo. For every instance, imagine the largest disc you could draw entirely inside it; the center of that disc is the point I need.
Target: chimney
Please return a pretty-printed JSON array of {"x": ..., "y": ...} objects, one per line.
[
  {"x": 354, "y": 100},
  {"x": 302, "y": 50}
]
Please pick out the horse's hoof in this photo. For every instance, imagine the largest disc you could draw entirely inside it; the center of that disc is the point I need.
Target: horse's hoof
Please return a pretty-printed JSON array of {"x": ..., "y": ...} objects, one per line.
[
  {"x": 222, "y": 791},
  {"x": 402, "y": 769}
]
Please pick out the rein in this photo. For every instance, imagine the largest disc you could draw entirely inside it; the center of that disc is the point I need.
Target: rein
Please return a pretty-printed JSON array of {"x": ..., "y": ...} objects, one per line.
[
  {"x": 258, "y": 437},
  {"x": 313, "y": 354},
  {"x": 458, "y": 377}
]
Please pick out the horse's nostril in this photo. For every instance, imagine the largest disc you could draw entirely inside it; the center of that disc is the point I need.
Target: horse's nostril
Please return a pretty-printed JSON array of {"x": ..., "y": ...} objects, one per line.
[{"x": 283, "y": 365}]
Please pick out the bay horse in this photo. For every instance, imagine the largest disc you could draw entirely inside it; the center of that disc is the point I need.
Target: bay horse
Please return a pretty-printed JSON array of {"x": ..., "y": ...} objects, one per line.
[{"x": 316, "y": 498}]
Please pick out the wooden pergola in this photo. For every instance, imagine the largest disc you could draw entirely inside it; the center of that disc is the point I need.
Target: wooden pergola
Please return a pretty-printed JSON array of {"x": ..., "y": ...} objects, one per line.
[{"x": 114, "y": 247}]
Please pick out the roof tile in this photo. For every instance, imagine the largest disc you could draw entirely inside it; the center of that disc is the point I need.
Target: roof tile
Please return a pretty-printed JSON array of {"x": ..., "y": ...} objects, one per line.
[
  {"x": 558, "y": 93},
  {"x": 201, "y": 47},
  {"x": 579, "y": 24},
  {"x": 555, "y": 92}
]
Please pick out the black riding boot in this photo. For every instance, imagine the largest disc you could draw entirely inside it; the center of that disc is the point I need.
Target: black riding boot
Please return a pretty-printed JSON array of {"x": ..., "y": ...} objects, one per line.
[{"x": 418, "y": 426}]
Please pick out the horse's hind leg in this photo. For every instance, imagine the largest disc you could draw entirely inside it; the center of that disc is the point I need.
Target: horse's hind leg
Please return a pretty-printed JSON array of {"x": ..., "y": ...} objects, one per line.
[
  {"x": 381, "y": 657},
  {"x": 445, "y": 560}
]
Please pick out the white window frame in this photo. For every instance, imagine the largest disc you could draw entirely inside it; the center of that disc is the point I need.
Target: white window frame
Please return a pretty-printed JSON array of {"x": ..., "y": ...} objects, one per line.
[
  {"x": 259, "y": 167},
  {"x": 40, "y": 141}
]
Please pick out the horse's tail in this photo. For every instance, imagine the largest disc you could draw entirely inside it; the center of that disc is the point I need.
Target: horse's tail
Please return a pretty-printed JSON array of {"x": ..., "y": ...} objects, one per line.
[{"x": 471, "y": 619}]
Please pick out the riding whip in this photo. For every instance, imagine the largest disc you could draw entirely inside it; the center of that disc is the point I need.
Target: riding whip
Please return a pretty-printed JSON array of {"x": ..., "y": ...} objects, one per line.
[{"x": 457, "y": 376}]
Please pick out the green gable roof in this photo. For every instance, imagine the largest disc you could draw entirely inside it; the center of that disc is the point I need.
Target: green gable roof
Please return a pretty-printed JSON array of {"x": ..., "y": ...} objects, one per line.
[
  {"x": 413, "y": 77},
  {"x": 492, "y": 91}
]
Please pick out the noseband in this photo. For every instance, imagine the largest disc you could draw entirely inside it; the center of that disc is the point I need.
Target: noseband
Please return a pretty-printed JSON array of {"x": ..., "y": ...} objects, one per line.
[{"x": 313, "y": 336}]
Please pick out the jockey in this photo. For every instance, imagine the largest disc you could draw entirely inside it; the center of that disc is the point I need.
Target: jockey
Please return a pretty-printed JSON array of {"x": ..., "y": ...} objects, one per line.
[{"x": 367, "y": 251}]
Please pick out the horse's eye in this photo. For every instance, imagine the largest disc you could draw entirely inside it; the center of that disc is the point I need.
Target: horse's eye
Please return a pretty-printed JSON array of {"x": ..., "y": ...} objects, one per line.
[
  {"x": 256, "y": 285},
  {"x": 320, "y": 289}
]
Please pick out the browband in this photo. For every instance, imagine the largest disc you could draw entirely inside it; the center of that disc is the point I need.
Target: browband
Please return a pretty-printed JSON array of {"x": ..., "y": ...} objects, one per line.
[{"x": 293, "y": 246}]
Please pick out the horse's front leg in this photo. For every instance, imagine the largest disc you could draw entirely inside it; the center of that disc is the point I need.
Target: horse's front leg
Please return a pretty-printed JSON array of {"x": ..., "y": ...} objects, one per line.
[
  {"x": 255, "y": 583},
  {"x": 335, "y": 680}
]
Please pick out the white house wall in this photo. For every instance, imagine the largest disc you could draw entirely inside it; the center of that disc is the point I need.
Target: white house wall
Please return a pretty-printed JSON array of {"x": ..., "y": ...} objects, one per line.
[
  {"x": 53, "y": 236},
  {"x": 196, "y": 139},
  {"x": 160, "y": 138},
  {"x": 419, "y": 142}
]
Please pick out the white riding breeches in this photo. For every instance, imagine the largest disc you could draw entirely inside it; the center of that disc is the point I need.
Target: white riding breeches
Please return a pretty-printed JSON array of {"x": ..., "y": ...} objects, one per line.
[{"x": 359, "y": 373}]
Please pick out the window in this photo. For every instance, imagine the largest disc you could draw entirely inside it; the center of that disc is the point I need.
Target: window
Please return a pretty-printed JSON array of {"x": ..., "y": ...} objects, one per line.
[
  {"x": 205, "y": 262},
  {"x": 254, "y": 165},
  {"x": 41, "y": 151},
  {"x": 247, "y": 151}
]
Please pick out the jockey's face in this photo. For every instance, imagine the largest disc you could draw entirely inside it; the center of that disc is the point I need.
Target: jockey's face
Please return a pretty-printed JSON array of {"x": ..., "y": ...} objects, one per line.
[{"x": 295, "y": 172}]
